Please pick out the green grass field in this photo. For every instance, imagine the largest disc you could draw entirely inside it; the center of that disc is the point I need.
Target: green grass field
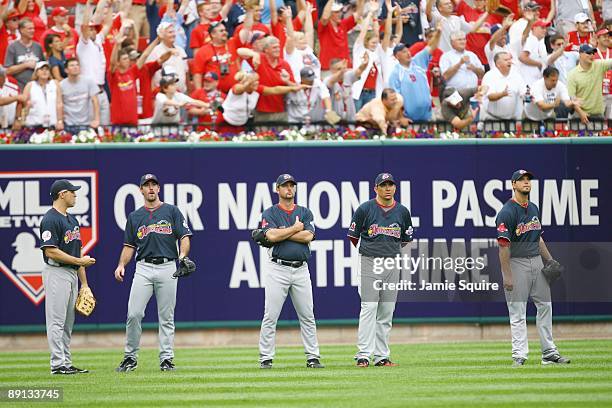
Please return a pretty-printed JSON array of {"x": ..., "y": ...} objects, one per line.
[{"x": 430, "y": 375}]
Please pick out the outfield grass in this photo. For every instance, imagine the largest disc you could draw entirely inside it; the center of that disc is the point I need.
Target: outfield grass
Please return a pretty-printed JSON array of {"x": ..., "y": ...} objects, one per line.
[{"x": 430, "y": 375}]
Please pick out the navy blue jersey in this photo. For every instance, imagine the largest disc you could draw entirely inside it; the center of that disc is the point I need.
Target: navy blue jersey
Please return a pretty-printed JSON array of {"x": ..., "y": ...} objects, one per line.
[
  {"x": 276, "y": 217},
  {"x": 382, "y": 231},
  {"x": 60, "y": 231},
  {"x": 154, "y": 232},
  {"x": 520, "y": 226}
]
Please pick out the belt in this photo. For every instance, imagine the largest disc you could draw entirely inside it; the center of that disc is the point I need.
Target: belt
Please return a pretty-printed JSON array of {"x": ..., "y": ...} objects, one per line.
[
  {"x": 157, "y": 260},
  {"x": 293, "y": 264}
]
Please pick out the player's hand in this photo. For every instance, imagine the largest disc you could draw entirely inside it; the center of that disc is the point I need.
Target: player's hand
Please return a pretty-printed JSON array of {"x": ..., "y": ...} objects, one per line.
[
  {"x": 86, "y": 261},
  {"x": 299, "y": 225},
  {"x": 119, "y": 272},
  {"x": 508, "y": 284}
]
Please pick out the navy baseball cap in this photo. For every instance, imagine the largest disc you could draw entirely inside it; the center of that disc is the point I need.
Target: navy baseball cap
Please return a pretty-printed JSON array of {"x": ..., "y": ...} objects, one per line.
[
  {"x": 284, "y": 178},
  {"x": 61, "y": 185},
  {"x": 383, "y": 177},
  {"x": 587, "y": 48},
  {"x": 520, "y": 173},
  {"x": 399, "y": 47},
  {"x": 148, "y": 177},
  {"x": 495, "y": 27}
]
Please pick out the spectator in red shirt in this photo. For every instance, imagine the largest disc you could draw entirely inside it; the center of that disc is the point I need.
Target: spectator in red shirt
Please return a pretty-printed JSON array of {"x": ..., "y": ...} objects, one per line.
[
  {"x": 583, "y": 33},
  {"x": 210, "y": 94},
  {"x": 252, "y": 25},
  {"x": 477, "y": 40},
  {"x": 199, "y": 35},
  {"x": 218, "y": 56},
  {"x": 282, "y": 21},
  {"x": 144, "y": 81},
  {"x": 60, "y": 27},
  {"x": 333, "y": 34},
  {"x": 273, "y": 71},
  {"x": 32, "y": 10},
  {"x": 9, "y": 22},
  {"x": 124, "y": 109}
]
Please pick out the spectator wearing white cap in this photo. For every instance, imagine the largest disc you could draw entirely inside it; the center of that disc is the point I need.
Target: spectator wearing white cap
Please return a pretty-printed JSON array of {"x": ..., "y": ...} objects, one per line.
[
  {"x": 9, "y": 96},
  {"x": 520, "y": 29},
  {"x": 583, "y": 33},
  {"x": 548, "y": 95},
  {"x": 333, "y": 33},
  {"x": 310, "y": 104},
  {"x": 460, "y": 68},
  {"x": 456, "y": 107},
  {"x": 178, "y": 60},
  {"x": 168, "y": 102},
  {"x": 43, "y": 100},
  {"x": 563, "y": 60},
  {"x": 567, "y": 11},
  {"x": 505, "y": 88},
  {"x": 534, "y": 56},
  {"x": 450, "y": 23}
]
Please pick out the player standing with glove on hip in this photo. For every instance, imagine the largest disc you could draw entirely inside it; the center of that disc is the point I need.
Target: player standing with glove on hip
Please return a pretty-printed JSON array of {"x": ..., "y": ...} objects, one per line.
[
  {"x": 152, "y": 231},
  {"x": 288, "y": 230},
  {"x": 381, "y": 226},
  {"x": 60, "y": 235},
  {"x": 521, "y": 251}
]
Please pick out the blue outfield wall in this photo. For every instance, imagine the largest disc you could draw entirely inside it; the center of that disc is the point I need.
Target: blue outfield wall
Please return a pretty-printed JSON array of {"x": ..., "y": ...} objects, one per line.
[{"x": 453, "y": 188}]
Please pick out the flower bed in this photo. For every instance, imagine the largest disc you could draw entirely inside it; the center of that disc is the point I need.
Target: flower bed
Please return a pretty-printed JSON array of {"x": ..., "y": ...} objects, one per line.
[{"x": 189, "y": 134}]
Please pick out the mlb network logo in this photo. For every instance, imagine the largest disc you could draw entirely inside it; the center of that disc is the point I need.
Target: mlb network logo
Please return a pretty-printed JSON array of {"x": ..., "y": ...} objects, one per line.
[{"x": 24, "y": 200}]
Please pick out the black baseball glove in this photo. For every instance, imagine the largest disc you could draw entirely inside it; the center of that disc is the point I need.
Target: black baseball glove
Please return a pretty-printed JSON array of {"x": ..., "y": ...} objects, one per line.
[
  {"x": 185, "y": 268},
  {"x": 552, "y": 270},
  {"x": 259, "y": 236}
]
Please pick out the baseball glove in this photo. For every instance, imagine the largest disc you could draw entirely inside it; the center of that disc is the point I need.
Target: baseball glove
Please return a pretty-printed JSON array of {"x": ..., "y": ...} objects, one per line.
[
  {"x": 259, "y": 236},
  {"x": 86, "y": 302},
  {"x": 332, "y": 117},
  {"x": 552, "y": 270},
  {"x": 185, "y": 268}
]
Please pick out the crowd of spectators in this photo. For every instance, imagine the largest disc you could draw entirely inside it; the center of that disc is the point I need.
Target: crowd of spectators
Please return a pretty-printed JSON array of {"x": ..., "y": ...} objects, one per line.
[{"x": 228, "y": 63}]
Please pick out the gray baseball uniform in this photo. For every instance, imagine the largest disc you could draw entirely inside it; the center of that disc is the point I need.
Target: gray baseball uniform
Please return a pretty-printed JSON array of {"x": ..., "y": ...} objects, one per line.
[
  {"x": 154, "y": 234},
  {"x": 519, "y": 226},
  {"x": 288, "y": 275},
  {"x": 381, "y": 232},
  {"x": 61, "y": 283}
]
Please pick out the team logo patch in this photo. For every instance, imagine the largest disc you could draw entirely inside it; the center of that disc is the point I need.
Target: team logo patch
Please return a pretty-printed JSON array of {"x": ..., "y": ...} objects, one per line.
[
  {"x": 160, "y": 227},
  {"x": 392, "y": 230},
  {"x": 502, "y": 228},
  {"x": 409, "y": 231},
  {"x": 385, "y": 176},
  {"x": 24, "y": 200},
  {"x": 533, "y": 225},
  {"x": 352, "y": 227}
]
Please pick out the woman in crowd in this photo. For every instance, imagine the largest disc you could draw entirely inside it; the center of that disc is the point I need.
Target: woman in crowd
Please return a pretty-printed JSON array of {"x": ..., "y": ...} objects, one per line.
[
  {"x": 43, "y": 106},
  {"x": 54, "y": 48}
]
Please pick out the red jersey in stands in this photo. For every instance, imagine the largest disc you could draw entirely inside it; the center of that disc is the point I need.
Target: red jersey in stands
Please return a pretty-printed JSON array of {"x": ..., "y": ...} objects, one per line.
[
  {"x": 39, "y": 25},
  {"x": 6, "y": 38},
  {"x": 257, "y": 27},
  {"x": 109, "y": 41},
  {"x": 478, "y": 40},
  {"x": 214, "y": 97},
  {"x": 271, "y": 76},
  {"x": 279, "y": 30},
  {"x": 146, "y": 95},
  {"x": 200, "y": 35},
  {"x": 575, "y": 40},
  {"x": 334, "y": 41},
  {"x": 124, "y": 109},
  {"x": 69, "y": 48},
  {"x": 210, "y": 58}
]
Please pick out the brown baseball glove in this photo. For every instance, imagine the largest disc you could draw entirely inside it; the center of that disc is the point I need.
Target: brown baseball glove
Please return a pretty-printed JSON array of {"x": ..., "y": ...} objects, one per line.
[{"x": 86, "y": 302}]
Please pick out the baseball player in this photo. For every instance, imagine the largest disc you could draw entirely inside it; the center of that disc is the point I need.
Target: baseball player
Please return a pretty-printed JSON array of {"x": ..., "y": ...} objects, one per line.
[
  {"x": 152, "y": 231},
  {"x": 381, "y": 226},
  {"x": 521, "y": 249},
  {"x": 289, "y": 227},
  {"x": 61, "y": 245}
]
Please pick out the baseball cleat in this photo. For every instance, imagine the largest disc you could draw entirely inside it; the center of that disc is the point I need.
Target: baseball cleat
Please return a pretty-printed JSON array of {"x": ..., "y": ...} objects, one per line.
[
  {"x": 555, "y": 359},
  {"x": 63, "y": 371},
  {"x": 518, "y": 362},
  {"x": 385, "y": 362},
  {"x": 128, "y": 364},
  {"x": 363, "y": 362},
  {"x": 78, "y": 370},
  {"x": 167, "y": 365},
  {"x": 314, "y": 363},
  {"x": 265, "y": 364}
]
